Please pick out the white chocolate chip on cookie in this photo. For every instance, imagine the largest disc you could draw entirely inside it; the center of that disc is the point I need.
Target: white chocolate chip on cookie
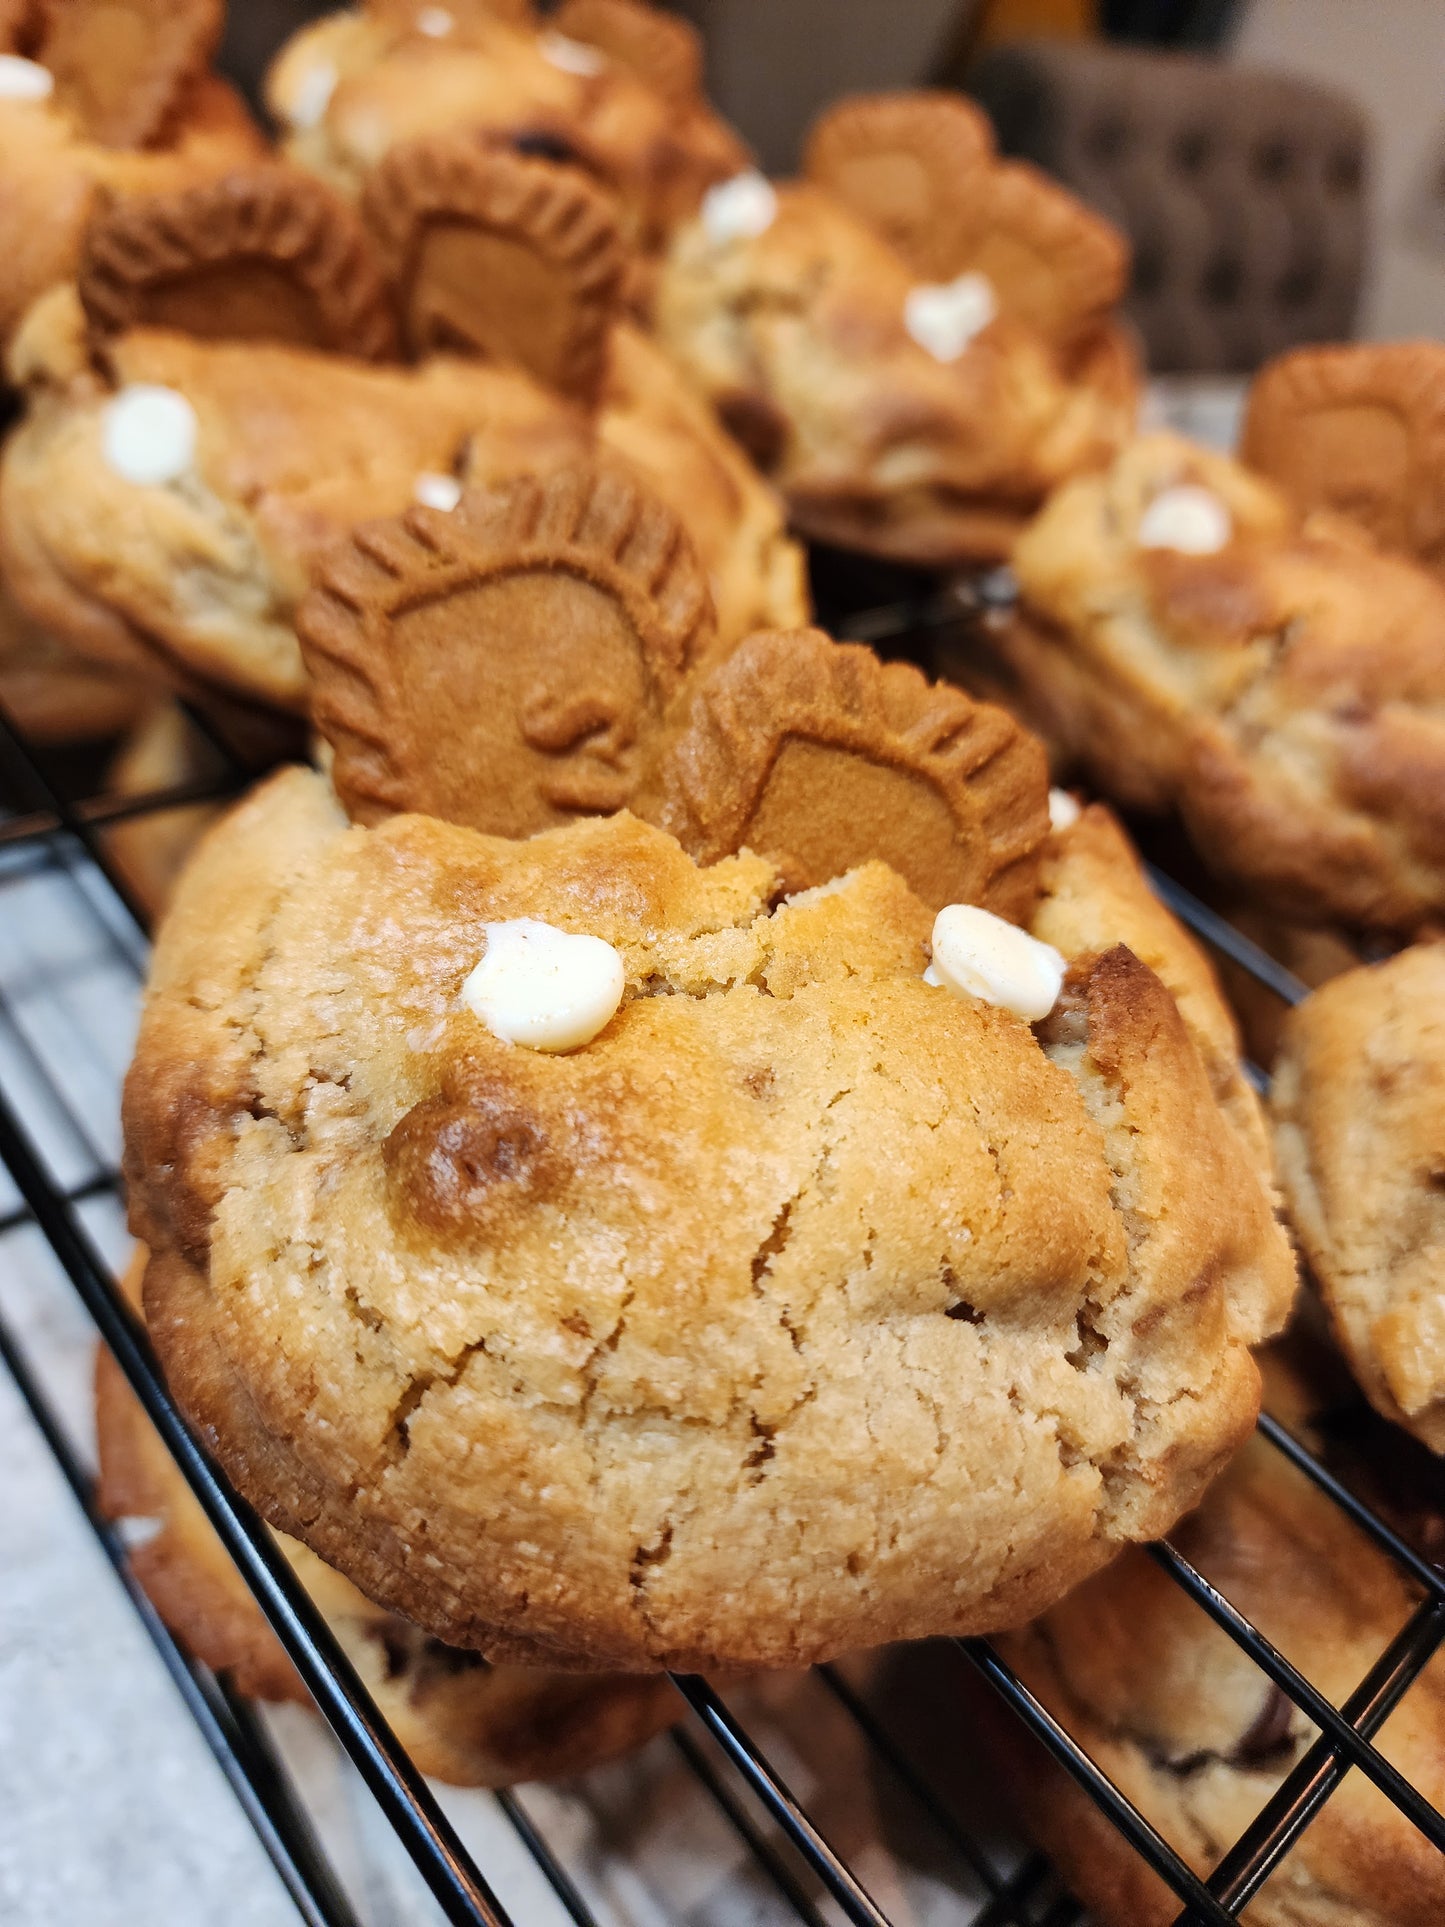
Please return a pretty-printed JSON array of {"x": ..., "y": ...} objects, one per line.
[
  {"x": 437, "y": 491},
  {"x": 308, "y": 105},
  {"x": 24, "y": 79},
  {"x": 739, "y": 209},
  {"x": 542, "y": 987},
  {"x": 1064, "y": 811},
  {"x": 1188, "y": 518},
  {"x": 944, "y": 317},
  {"x": 148, "y": 434},
  {"x": 976, "y": 954},
  {"x": 571, "y": 56}
]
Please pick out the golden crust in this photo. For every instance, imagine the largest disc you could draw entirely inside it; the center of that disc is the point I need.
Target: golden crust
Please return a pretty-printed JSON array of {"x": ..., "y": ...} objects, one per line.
[
  {"x": 663, "y": 50},
  {"x": 262, "y": 254},
  {"x": 494, "y": 254},
  {"x": 1191, "y": 1731},
  {"x": 654, "y": 1336},
  {"x": 498, "y": 665},
  {"x": 818, "y": 757},
  {"x": 1359, "y": 428},
  {"x": 1283, "y": 693},
  {"x": 798, "y": 337},
  {"x": 123, "y": 70},
  {"x": 1359, "y": 1115},
  {"x": 54, "y": 696},
  {"x": 459, "y": 1719},
  {"x": 910, "y": 164}
]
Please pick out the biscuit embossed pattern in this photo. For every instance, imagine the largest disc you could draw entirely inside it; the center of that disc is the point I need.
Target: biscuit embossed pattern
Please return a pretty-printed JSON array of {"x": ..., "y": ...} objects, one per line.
[{"x": 788, "y": 1862}]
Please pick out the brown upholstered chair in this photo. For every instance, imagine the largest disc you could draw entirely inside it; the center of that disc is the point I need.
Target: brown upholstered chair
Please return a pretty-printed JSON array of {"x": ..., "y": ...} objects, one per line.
[{"x": 1243, "y": 192}]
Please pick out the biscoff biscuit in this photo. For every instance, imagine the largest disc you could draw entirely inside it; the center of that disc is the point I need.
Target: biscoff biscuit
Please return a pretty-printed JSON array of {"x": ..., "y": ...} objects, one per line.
[
  {"x": 910, "y": 164},
  {"x": 499, "y": 255},
  {"x": 1358, "y": 427},
  {"x": 265, "y": 253},
  {"x": 1051, "y": 260},
  {"x": 652, "y": 1343},
  {"x": 663, "y": 50},
  {"x": 122, "y": 68},
  {"x": 504, "y": 664},
  {"x": 458, "y": 1718},
  {"x": 1359, "y": 1114}
]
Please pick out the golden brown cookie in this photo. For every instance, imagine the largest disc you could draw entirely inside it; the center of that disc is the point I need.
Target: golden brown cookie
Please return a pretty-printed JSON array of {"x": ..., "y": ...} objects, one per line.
[
  {"x": 262, "y": 254},
  {"x": 663, "y": 50},
  {"x": 52, "y": 695},
  {"x": 1053, "y": 262},
  {"x": 122, "y": 67},
  {"x": 1359, "y": 428},
  {"x": 460, "y": 1719},
  {"x": 1359, "y": 1112},
  {"x": 911, "y": 165},
  {"x": 504, "y": 665},
  {"x": 496, "y": 254},
  {"x": 817, "y": 756},
  {"x": 1189, "y": 1728},
  {"x": 654, "y": 1334}
]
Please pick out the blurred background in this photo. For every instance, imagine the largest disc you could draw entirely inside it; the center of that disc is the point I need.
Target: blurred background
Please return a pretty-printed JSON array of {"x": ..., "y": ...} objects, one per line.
[{"x": 1278, "y": 164}]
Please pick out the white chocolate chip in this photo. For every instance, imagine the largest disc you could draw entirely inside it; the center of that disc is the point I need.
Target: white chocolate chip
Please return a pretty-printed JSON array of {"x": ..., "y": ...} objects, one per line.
[
  {"x": 944, "y": 316},
  {"x": 312, "y": 96},
  {"x": 148, "y": 434},
  {"x": 435, "y": 22},
  {"x": 435, "y": 491},
  {"x": 739, "y": 209},
  {"x": 1064, "y": 812},
  {"x": 572, "y": 56},
  {"x": 543, "y": 987},
  {"x": 1188, "y": 518},
  {"x": 24, "y": 79},
  {"x": 976, "y": 954}
]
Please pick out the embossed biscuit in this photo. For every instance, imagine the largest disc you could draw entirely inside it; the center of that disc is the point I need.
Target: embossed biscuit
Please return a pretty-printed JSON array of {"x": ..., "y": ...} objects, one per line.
[
  {"x": 661, "y": 49},
  {"x": 123, "y": 68},
  {"x": 1358, "y": 427},
  {"x": 261, "y": 254},
  {"x": 1053, "y": 262},
  {"x": 819, "y": 757},
  {"x": 502, "y": 665},
  {"x": 910, "y": 164},
  {"x": 500, "y": 255},
  {"x": 460, "y": 1719}
]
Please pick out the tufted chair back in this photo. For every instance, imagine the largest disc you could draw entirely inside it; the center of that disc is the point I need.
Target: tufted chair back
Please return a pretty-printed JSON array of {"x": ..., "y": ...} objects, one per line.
[{"x": 1243, "y": 193}]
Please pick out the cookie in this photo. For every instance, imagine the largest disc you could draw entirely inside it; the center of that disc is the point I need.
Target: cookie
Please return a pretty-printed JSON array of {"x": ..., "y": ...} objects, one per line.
[
  {"x": 1359, "y": 1114},
  {"x": 910, "y": 165},
  {"x": 459, "y": 1719},
  {"x": 122, "y": 67},
  {"x": 501, "y": 256},
  {"x": 652, "y": 1333},
  {"x": 54, "y": 696},
  {"x": 818, "y": 757},
  {"x": 1052, "y": 262},
  {"x": 262, "y": 254},
  {"x": 1198, "y": 648},
  {"x": 463, "y": 14},
  {"x": 661, "y": 49},
  {"x": 503, "y": 664},
  {"x": 1358, "y": 428},
  {"x": 1191, "y": 1731}
]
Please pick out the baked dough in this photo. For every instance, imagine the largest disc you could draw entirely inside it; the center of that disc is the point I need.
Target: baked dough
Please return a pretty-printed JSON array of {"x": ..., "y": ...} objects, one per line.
[
  {"x": 805, "y": 1308},
  {"x": 1282, "y": 691},
  {"x": 1359, "y": 1116}
]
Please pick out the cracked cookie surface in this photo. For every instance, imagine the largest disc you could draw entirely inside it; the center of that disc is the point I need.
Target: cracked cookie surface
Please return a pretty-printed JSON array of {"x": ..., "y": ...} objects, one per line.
[{"x": 806, "y": 1308}]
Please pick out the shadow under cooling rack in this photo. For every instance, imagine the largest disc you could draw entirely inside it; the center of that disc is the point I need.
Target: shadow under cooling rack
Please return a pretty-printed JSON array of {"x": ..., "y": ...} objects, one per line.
[{"x": 727, "y": 1762}]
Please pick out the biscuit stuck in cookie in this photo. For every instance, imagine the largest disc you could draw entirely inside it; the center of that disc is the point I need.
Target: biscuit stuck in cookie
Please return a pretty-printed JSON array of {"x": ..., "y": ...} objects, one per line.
[
  {"x": 664, "y": 51},
  {"x": 499, "y": 255},
  {"x": 122, "y": 67},
  {"x": 262, "y": 254}
]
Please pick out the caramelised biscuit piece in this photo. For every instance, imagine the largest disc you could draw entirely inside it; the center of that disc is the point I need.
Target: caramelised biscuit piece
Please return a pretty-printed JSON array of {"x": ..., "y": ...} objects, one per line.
[
  {"x": 503, "y": 665},
  {"x": 662, "y": 49},
  {"x": 1199, "y": 646},
  {"x": 499, "y": 255},
  {"x": 1358, "y": 427},
  {"x": 460, "y": 1719},
  {"x": 1359, "y": 1116},
  {"x": 1188, "y": 1727},
  {"x": 261, "y": 254},
  {"x": 819, "y": 757},
  {"x": 910, "y": 164},
  {"x": 651, "y": 1333},
  {"x": 1051, "y": 261},
  {"x": 123, "y": 67}
]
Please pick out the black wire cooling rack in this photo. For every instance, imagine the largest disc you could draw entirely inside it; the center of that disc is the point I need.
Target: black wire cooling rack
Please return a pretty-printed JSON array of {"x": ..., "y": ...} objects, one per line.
[{"x": 47, "y": 828}]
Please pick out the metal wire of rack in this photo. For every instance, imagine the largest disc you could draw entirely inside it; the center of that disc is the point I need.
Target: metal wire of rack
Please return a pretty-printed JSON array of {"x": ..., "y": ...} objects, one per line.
[{"x": 807, "y": 1878}]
